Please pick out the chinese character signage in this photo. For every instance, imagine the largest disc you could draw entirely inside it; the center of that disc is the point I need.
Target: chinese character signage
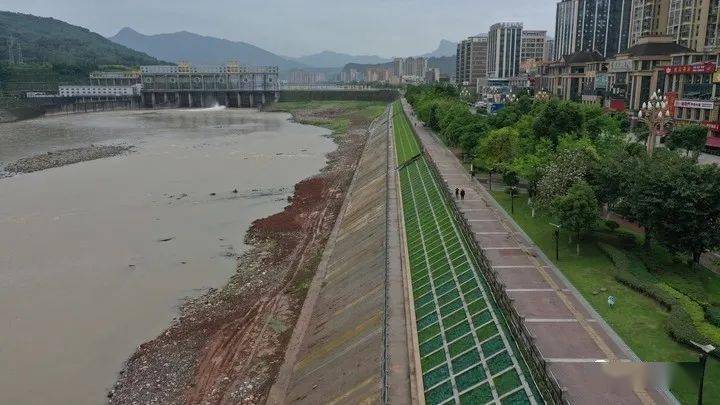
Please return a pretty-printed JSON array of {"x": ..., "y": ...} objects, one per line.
[
  {"x": 704, "y": 105},
  {"x": 706, "y": 67}
]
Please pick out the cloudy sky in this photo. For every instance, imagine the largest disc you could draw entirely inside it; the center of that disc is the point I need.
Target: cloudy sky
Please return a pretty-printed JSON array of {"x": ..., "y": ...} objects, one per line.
[{"x": 298, "y": 27}]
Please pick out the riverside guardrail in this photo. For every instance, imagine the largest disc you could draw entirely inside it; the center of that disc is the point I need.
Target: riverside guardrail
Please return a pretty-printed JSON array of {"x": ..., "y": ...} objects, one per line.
[{"x": 544, "y": 379}]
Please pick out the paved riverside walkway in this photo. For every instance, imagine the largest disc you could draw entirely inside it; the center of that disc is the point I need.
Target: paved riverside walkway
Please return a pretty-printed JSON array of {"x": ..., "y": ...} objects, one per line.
[{"x": 581, "y": 349}]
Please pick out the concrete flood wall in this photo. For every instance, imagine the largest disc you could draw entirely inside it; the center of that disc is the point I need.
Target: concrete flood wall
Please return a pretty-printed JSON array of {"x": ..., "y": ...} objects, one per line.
[{"x": 341, "y": 353}]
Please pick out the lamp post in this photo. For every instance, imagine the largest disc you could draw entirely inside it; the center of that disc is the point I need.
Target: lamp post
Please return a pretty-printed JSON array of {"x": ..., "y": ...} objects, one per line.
[
  {"x": 513, "y": 192},
  {"x": 706, "y": 350},
  {"x": 655, "y": 113},
  {"x": 557, "y": 241}
]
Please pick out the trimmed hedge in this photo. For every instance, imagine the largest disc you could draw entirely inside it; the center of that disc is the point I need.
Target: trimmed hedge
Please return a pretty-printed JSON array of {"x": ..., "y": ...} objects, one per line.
[
  {"x": 713, "y": 315},
  {"x": 686, "y": 321}
]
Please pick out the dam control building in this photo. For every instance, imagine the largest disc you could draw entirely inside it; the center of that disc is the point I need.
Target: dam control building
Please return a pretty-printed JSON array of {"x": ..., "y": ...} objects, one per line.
[{"x": 186, "y": 85}]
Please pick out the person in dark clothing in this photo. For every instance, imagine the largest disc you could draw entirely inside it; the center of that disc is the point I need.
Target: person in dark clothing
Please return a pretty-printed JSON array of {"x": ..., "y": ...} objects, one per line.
[
  {"x": 462, "y": 194},
  {"x": 457, "y": 192}
]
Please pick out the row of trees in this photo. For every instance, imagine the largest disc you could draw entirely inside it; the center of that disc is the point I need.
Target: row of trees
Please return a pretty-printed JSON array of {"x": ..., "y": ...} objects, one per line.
[{"x": 577, "y": 159}]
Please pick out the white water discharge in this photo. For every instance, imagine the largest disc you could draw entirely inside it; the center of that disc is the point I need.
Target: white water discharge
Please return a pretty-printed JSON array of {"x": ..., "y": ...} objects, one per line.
[{"x": 95, "y": 257}]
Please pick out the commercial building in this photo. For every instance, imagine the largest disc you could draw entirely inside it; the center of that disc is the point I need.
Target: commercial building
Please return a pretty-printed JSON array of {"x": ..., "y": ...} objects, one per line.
[
  {"x": 504, "y": 44},
  {"x": 471, "y": 60},
  {"x": 638, "y": 72},
  {"x": 573, "y": 76},
  {"x": 533, "y": 49},
  {"x": 648, "y": 17},
  {"x": 99, "y": 91},
  {"x": 592, "y": 25},
  {"x": 692, "y": 84}
]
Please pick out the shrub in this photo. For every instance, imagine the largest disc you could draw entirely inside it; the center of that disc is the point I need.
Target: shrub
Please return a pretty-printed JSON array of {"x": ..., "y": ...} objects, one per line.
[
  {"x": 686, "y": 321},
  {"x": 713, "y": 315},
  {"x": 611, "y": 225}
]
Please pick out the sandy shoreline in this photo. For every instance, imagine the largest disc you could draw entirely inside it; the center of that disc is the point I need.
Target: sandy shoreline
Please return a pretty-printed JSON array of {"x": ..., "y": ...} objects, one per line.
[
  {"x": 227, "y": 345},
  {"x": 64, "y": 157}
]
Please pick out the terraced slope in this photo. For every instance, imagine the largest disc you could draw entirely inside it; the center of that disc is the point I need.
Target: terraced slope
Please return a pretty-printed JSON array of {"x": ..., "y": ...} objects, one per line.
[
  {"x": 466, "y": 355},
  {"x": 406, "y": 144}
]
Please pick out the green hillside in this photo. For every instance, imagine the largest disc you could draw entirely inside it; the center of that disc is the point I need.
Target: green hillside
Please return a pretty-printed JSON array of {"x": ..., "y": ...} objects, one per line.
[{"x": 47, "y": 40}]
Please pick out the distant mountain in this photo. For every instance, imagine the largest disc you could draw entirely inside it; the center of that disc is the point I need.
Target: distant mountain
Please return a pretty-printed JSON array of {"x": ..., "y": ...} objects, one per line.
[
  {"x": 330, "y": 59},
  {"x": 41, "y": 39},
  {"x": 190, "y": 47},
  {"x": 446, "y": 48}
]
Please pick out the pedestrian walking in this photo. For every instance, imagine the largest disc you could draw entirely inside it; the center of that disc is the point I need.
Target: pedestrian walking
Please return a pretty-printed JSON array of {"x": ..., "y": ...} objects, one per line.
[
  {"x": 457, "y": 193},
  {"x": 462, "y": 194}
]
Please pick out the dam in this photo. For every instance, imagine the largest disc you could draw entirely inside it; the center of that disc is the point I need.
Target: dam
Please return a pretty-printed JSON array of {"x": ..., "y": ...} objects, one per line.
[{"x": 230, "y": 85}]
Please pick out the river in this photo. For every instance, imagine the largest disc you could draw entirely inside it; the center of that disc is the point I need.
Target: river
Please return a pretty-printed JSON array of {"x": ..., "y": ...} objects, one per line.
[{"x": 96, "y": 257}]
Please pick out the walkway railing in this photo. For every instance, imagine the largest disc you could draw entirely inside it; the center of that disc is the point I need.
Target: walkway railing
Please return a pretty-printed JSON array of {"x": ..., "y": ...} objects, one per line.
[{"x": 543, "y": 377}]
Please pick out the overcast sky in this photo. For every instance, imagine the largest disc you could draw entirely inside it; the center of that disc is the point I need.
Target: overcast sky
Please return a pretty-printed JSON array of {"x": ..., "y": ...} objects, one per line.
[{"x": 299, "y": 27}]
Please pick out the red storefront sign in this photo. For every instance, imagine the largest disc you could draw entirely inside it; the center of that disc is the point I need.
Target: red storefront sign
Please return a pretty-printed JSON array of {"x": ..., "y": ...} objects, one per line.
[
  {"x": 671, "y": 97},
  {"x": 617, "y": 105},
  {"x": 712, "y": 125},
  {"x": 706, "y": 67}
]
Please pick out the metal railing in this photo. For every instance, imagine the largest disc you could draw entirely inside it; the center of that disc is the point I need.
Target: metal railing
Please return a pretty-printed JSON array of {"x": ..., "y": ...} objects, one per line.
[{"x": 544, "y": 379}]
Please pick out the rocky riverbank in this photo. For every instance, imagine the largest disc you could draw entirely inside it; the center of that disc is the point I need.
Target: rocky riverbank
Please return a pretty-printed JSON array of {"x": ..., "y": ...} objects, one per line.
[
  {"x": 65, "y": 157},
  {"x": 227, "y": 345}
]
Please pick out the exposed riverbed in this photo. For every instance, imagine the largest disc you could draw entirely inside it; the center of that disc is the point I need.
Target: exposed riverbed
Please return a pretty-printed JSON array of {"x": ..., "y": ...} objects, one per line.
[{"x": 96, "y": 256}]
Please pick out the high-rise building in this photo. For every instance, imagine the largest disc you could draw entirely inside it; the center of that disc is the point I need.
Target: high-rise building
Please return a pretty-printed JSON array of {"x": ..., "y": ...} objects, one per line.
[
  {"x": 532, "y": 46},
  {"x": 566, "y": 28},
  {"x": 471, "y": 60},
  {"x": 549, "y": 50},
  {"x": 592, "y": 25},
  {"x": 694, "y": 23},
  {"x": 410, "y": 67},
  {"x": 647, "y": 18},
  {"x": 504, "y": 41}
]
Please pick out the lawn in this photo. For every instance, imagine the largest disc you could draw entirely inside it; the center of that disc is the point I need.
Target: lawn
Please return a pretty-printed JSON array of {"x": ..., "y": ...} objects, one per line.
[{"x": 592, "y": 271}]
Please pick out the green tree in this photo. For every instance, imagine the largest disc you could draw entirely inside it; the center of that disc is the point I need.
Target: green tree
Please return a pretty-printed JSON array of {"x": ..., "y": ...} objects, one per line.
[
  {"x": 577, "y": 210},
  {"x": 691, "y": 138},
  {"x": 497, "y": 150},
  {"x": 690, "y": 217},
  {"x": 645, "y": 187},
  {"x": 571, "y": 164},
  {"x": 557, "y": 118}
]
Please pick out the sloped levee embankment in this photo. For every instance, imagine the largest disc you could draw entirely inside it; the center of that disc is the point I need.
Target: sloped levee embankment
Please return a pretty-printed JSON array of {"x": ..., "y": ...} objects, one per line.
[
  {"x": 340, "y": 354},
  {"x": 226, "y": 346}
]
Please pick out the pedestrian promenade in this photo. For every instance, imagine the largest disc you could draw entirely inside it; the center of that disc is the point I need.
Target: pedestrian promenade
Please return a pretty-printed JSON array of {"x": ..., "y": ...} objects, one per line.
[{"x": 588, "y": 359}]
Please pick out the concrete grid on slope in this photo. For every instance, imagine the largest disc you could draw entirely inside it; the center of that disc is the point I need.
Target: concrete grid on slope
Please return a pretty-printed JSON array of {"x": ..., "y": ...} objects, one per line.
[
  {"x": 579, "y": 348},
  {"x": 466, "y": 356}
]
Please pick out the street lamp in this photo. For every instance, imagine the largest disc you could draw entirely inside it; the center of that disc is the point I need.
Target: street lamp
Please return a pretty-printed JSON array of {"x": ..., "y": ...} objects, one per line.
[
  {"x": 655, "y": 113},
  {"x": 513, "y": 192},
  {"x": 557, "y": 241},
  {"x": 706, "y": 350}
]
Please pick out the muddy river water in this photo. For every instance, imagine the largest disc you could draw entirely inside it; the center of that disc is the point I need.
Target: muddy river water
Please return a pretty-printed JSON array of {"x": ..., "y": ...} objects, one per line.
[{"x": 95, "y": 257}]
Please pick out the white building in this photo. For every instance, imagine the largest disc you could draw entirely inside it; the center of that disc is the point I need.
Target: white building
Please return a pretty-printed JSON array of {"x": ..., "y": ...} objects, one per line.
[
  {"x": 99, "y": 91},
  {"x": 504, "y": 40}
]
